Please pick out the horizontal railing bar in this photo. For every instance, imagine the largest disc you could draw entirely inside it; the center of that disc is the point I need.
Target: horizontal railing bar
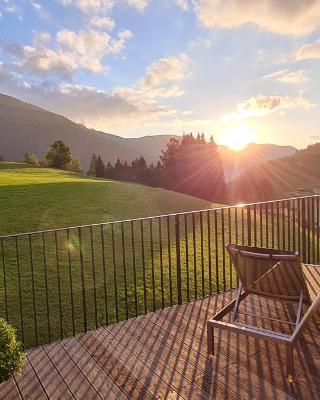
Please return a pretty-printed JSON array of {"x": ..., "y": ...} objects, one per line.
[{"x": 241, "y": 205}]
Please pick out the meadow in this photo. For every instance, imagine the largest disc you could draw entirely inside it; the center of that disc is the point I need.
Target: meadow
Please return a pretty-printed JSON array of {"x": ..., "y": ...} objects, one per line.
[{"x": 56, "y": 284}]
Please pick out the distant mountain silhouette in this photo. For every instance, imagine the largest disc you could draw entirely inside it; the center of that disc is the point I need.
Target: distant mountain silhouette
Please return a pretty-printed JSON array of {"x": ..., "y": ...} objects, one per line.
[
  {"x": 237, "y": 162},
  {"x": 287, "y": 176},
  {"x": 27, "y": 128}
]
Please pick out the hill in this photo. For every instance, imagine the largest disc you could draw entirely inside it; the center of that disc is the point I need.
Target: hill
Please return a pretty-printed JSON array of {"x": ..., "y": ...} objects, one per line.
[
  {"x": 279, "y": 178},
  {"x": 39, "y": 198},
  {"x": 237, "y": 162},
  {"x": 27, "y": 128}
]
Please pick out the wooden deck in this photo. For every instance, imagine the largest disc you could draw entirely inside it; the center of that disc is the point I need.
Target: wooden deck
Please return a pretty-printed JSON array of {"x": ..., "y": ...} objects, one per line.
[{"x": 163, "y": 356}]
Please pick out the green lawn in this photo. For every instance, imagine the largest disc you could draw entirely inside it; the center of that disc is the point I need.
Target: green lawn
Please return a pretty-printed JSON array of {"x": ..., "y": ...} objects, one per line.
[
  {"x": 71, "y": 272},
  {"x": 40, "y": 198},
  {"x": 63, "y": 283}
]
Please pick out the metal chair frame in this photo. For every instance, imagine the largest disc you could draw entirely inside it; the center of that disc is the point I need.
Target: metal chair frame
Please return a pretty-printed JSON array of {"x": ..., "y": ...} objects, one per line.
[{"x": 250, "y": 330}]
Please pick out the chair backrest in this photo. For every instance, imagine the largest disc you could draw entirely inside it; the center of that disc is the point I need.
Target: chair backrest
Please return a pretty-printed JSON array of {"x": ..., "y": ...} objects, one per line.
[{"x": 269, "y": 272}]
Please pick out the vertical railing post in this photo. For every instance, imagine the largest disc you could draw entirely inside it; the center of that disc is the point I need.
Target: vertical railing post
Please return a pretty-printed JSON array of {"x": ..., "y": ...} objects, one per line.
[
  {"x": 178, "y": 259},
  {"x": 304, "y": 230},
  {"x": 318, "y": 229},
  {"x": 249, "y": 224}
]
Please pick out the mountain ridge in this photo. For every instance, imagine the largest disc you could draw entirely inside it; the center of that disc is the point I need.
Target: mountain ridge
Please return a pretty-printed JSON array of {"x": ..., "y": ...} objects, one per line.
[{"x": 29, "y": 128}]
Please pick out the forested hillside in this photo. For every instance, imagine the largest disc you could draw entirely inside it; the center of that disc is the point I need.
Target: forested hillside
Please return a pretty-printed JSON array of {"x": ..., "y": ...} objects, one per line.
[{"x": 278, "y": 178}]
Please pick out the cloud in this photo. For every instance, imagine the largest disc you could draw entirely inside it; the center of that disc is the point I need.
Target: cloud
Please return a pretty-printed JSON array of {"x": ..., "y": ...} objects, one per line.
[
  {"x": 138, "y": 4},
  {"x": 71, "y": 52},
  {"x": 156, "y": 81},
  {"x": 281, "y": 16},
  {"x": 39, "y": 9},
  {"x": 103, "y": 23},
  {"x": 184, "y": 4},
  {"x": 261, "y": 106},
  {"x": 287, "y": 76},
  {"x": 103, "y": 7},
  {"x": 309, "y": 51},
  {"x": 10, "y": 7},
  {"x": 166, "y": 69}
]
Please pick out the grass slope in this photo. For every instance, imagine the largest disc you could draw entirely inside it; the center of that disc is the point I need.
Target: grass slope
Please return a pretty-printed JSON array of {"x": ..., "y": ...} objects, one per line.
[
  {"x": 76, "y": 273},
  {"x": 38, "y": 198}
]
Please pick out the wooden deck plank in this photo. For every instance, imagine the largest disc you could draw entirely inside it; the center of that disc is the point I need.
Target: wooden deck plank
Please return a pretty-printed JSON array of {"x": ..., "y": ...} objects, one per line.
[
  {"x": 9, "y": 390},
  {"x": 71, "y": 374},
  {"x": 137, "y": 338},
  {"x": 125, "y": 370},
  {"x": 99, "y": 379},
  {"x": 218, "y": 360},
  {"x": 198, "y": 363},
  {"x": 163, "y": 355},
  {"x": 29, "y": 384},
  {"x": 161, "y": 370},
  {"x": 49, "y": 376}
]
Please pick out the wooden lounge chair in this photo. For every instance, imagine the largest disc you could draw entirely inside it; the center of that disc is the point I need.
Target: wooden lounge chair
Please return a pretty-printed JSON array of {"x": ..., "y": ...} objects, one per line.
[{"x": 274, "y": 274}]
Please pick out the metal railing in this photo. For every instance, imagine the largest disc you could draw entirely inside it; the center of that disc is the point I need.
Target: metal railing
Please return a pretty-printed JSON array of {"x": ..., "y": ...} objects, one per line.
[{"x": 60, "y": 282}]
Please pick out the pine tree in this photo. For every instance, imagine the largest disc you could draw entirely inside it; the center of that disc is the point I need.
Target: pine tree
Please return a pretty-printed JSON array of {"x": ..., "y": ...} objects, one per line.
[
  {"x": 109, "y": 171},
  {"x": 58, "y": 155},
  {"x": 92, "y": 167},
  {"x": 100, "y": 167}
]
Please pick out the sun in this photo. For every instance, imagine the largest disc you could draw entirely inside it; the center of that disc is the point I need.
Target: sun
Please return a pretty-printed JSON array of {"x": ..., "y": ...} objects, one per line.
[{"x": 237, "y": 137}]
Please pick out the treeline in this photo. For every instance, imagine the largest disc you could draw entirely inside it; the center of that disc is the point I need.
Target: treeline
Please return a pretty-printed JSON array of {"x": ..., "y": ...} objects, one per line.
[
  {"x": 188, "y": 165},
  {"x": 278, "y": 178},
  {"x": 58, "y": 156}
]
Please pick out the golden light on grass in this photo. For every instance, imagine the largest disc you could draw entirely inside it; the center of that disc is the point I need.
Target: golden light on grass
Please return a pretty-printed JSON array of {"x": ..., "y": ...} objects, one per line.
[{"x": 237, "y": 137}]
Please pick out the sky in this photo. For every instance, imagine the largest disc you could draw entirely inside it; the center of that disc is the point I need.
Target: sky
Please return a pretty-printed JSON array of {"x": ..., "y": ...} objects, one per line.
[{"x": 240, "y": 70}]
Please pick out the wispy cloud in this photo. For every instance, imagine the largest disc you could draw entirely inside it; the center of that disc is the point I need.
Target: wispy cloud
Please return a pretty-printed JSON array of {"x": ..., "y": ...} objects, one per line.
[
  {"x": 309, "y": 51},
  {"x": 261, "y": 106},
  {"x": 287, "y": 76}
]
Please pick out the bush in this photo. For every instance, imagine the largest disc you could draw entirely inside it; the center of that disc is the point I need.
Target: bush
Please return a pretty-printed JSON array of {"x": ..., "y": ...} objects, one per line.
[{"x": 11, "y": 353}]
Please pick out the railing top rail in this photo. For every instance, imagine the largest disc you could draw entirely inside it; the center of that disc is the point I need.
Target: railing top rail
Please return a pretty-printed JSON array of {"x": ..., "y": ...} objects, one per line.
[{"x": 241, "y": 205}]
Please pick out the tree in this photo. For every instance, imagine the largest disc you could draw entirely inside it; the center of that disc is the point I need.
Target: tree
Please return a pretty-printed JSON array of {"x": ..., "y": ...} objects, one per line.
[
  {"x": 31, "y": 159},
  {"x": 109, "y": 171},
  {"x": 12, "y": 356},
  {"x": 2, "y": 158},
  {"x": 100, "y": 167},
  {"x": 193, "y": 166},
  {"x": 92, "y": 167},
  {"x": 74, "y": 165},
  {"x": 58, "y": 155}
]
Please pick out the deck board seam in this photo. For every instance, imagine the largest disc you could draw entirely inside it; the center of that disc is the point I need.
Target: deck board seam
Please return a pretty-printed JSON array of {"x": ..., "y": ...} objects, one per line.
[
  {"x": 225, "y": 367},
  {"x": 78, "y": 369},
  {"x": 38, "y": 378},
  {"x": 98, "y": 363},
  {"x": 17, "y": 386},
  {"x": 134, "y": 356},
  {"x": 43, "y": 348},
  {"x": 203, "y": 373}
]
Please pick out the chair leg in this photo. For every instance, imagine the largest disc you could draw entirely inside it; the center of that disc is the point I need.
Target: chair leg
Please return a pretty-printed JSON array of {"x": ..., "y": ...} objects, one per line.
[
  {"x": 210, "y": 339},
  {"x": 236, "y": 306},
  {"x": 290, "y": 368}
]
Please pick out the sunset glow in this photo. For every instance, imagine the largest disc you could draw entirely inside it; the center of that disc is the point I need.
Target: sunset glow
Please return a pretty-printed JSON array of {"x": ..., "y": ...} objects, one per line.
[{"x": 237, "y": 137}]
